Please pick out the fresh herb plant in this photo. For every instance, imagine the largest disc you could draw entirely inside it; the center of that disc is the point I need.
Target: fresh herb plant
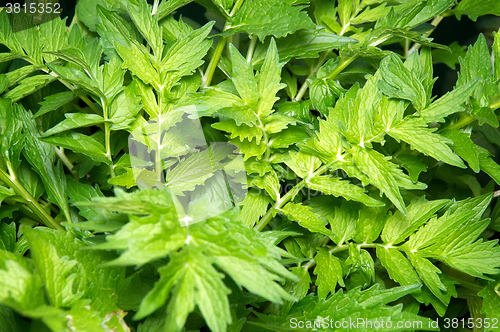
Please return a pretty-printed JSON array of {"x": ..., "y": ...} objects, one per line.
[{"x": 368, "y": 197}]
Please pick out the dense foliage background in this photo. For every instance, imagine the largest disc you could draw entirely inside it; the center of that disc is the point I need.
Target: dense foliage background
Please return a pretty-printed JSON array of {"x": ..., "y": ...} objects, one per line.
[{"x": 250, "y": 165}]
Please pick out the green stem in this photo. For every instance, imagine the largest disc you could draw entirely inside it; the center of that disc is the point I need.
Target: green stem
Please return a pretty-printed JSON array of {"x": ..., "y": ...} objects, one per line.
[
  {"x": 33, "y": 204},
  {"x": 107, "y": 137},
  {"x": 24, "y": 209},
  {"x": 343, "y": 64},
  {"x": 459, "y": 124},
  {"x": 213, "y": 63},
  {"x": 288, "y": 196},
  {"x": 340, "y": 248},
  {"x": 435, "y": 22},
  {"x": 90, "y": 104},
  {"x": 69, "y": 165},
  {"x": 218, "y": 50},
  {"x": 251, "y": 48},
  {"x": 495, "y": 105},
  {"x": 304, "y": 86}
]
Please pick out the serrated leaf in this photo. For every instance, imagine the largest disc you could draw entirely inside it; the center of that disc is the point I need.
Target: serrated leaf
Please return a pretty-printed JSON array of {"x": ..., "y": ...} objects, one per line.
[
  {"x": 303, "y": 44},
  {"x": 398, "y": 82},
  {"x": 41, "y": 156},
  {"x": 337, "y": 187},
  {"x": 491, "y": 300},
  {"x": 80, "y": 143},
  {"x": 415, "y": 132},
  {"x": 464, "y": 147},
  {"x": 7, "y": 236},
  {"x": 305, "y": 217},
  {"x": 28, "y": 85},
  {"x": 75, "y": 120},
  {"x": 329, "y": 272},
  {"x": 487, "y": 164},
  {"x": 254, "y": 206},
  {"x": 191, "y": 171},
  {"x": 269, "y": 17},
  {"x": 55, "y": 101},
  {"x": 449, "y": 103},
  {"x": 138, "y": 63},
  {"x": 476, "y": 8},
  {"x": 413, "y": 165},
  {"x": 398, "y": 227},
  {"x": 381, "y": 173},
  {"x": 56, "y": 272}
]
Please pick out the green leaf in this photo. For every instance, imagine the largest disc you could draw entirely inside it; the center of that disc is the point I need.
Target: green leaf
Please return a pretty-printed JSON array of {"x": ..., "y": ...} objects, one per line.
[
  {"x": 344, "y": 223},
  {"x": 413, "y": 165},
  {"x": 147, "y": 23},
  {"x": 305, "y": 217},
  {"x": 41, "y": 156},
  {"x": 337, "y": 187},
  {"x": 56, "y": 272},
  {"x": 449, "y": 58},
  {"x": 124, "y": 108},
  {"x": 329, "y": 272},
  {"x": 476, "y": 8},
  {"x": 243, "y": 77},
  {"x": 449, "y": 103},
  {"x": 139, "y": 63},
  {"x": 7, "y": 236},
  {"x": 269, "y": 17},
  {"x": 269, "y": 80},
  {"x": 185, "y": 55},
  {"x": 491, "y": 300},
  {"x": 11, "y": 321},
  {"x": 487, "y": 165},
  {"x": 303, "y": 44},
  {"x": 208, "y": 102},
  {"x": 77, "y": 77},
  {"x": 398, "y": 266},
  {"x": 399, "y": 82},
  {"x": 430, "y": 276},
  {"x": 75, "y": 120},
  {"x": 55, "y": 101},
  {"x": 398, "y": 227},
  {"x": 80, "y": 143},
  {"x": 415, "y": 132},
  {"x": 381, "y": 173},
  {"x": 254, "y": 206},
  {"x": 464, "y": 147},
  {"x": 79, "y": 192},
  {"x": 191, "y": 171},
  {"x": 28, "y": 85},
  {"x": 167, "y": 7}
]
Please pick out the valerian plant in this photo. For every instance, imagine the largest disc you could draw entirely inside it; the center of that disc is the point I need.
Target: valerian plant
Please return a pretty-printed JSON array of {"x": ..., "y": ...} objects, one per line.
[{"x": 367, "y": 198}]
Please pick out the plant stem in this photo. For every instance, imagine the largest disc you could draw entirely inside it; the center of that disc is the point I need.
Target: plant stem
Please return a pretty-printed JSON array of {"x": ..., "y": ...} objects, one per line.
[
  {"x": 459, "y": 124},
  {"x": 107, "y": 137},
  {"x": 251, "y": 48},
  {"x": 340, "y": 248},
  {"x": 213, "y": 63},
  {"x": 37, "y": 209},
  {"x": 218, "y": 50},
  {"x": 288, "y": 196},
  {"x": 435, "y": 22},
  {"x": 69, "y": 165},
  {"x": 304, "y": 86},
  {"x": 495, "y": 105},
  {"x": 346, "y": 62}
]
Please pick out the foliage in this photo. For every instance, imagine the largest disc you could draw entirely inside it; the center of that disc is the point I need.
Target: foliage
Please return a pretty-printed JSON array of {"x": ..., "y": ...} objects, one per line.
[{"x": 284, "y": 166}]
